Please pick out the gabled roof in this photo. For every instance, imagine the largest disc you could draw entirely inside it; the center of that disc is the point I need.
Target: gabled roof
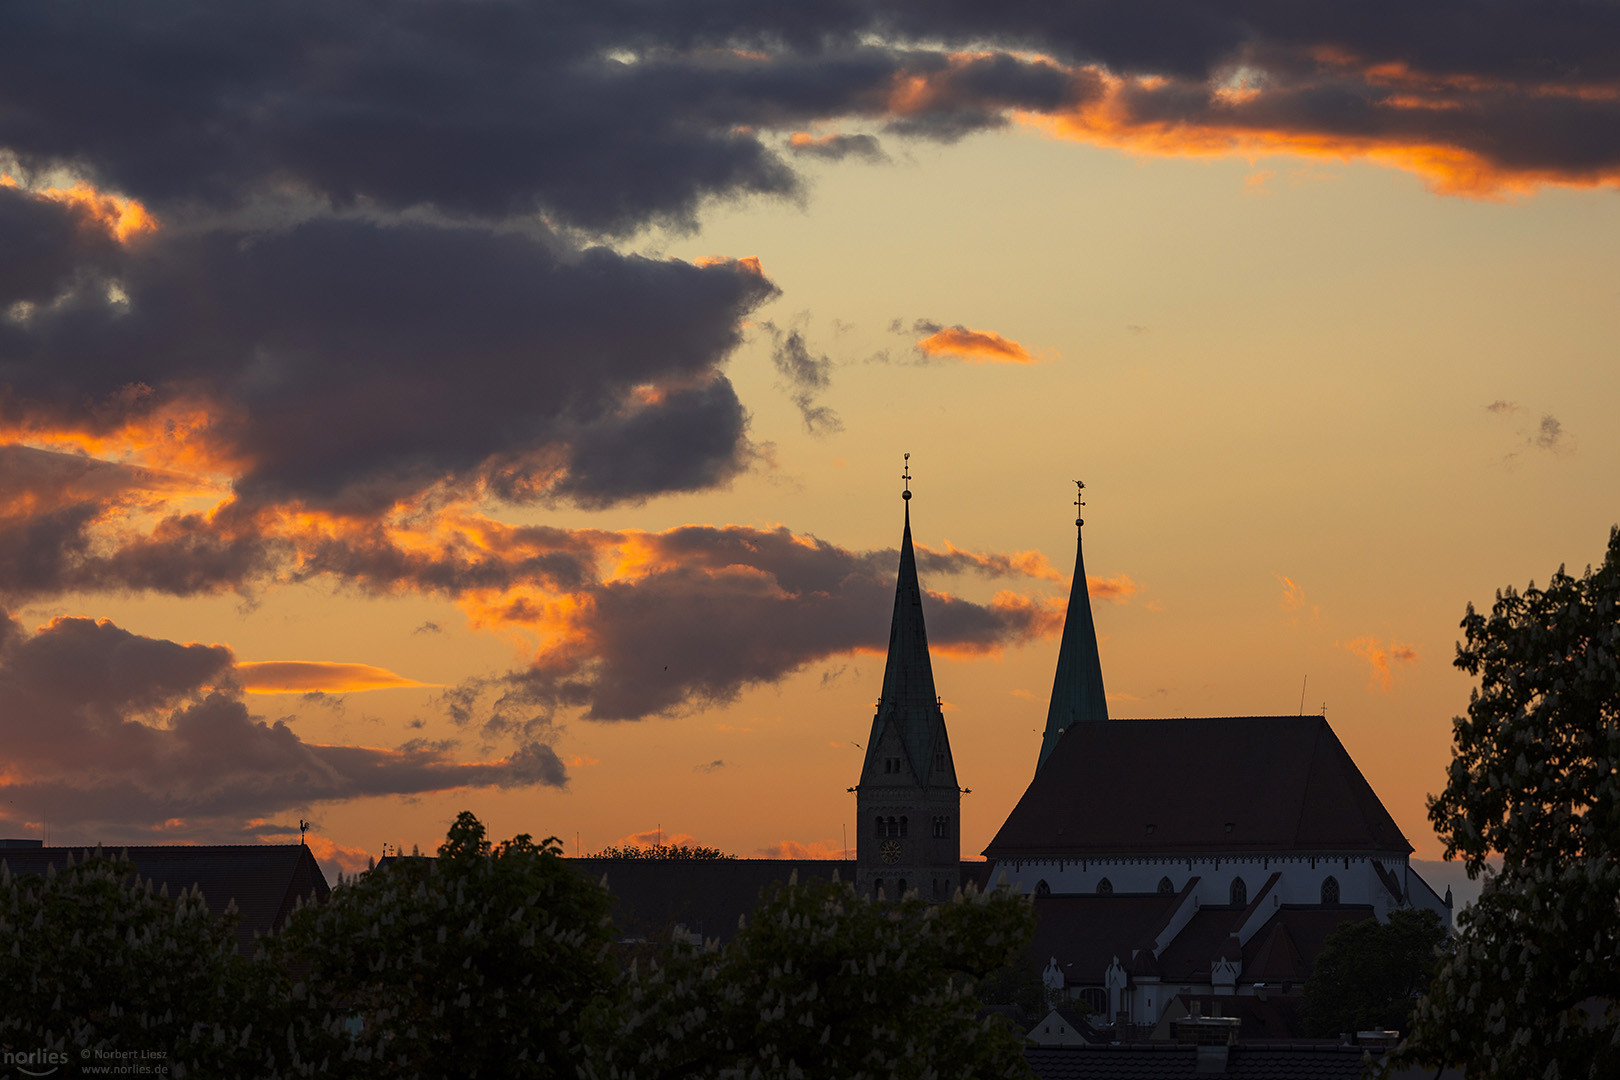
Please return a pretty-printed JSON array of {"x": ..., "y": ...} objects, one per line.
[
  {"x": 265, "y": 880},
  {"x": 1087, "y": 932},
  {"x": 1206, "y": 784},
  {"x": 909, "y": 703},
  {"x": 1077, "y": 688}
]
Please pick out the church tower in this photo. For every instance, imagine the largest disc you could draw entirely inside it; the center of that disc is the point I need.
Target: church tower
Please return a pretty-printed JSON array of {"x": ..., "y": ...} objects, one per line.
[
  {"x": 1077, "y": 690},
  {"x": 908, "y": 803}
]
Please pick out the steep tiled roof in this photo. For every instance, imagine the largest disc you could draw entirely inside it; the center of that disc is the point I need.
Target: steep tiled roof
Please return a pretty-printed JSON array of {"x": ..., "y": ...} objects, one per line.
[
  {"x": 1086, "y": 932},
  {"x": 1207, "y": 784},
  {"x": 1077, "y": 688},
  {"x": 909, "y": 701},
  {"x": 265, "y": 880},
  {"x": 1158, "y": 1061}
]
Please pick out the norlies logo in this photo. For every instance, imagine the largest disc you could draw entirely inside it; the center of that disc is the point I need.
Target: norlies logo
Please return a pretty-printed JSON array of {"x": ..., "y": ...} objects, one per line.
[{"x": 35, "y": 1062}]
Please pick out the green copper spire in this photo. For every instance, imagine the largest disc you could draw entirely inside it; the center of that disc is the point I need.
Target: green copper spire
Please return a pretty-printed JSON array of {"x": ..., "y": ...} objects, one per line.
[{"x": 1077, "y": 690}]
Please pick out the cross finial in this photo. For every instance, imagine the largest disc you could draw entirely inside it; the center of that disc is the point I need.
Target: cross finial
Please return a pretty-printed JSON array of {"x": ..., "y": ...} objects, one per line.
[
  {"x": 1079, "y": 502},
  {"x": 906, "y": 476}
]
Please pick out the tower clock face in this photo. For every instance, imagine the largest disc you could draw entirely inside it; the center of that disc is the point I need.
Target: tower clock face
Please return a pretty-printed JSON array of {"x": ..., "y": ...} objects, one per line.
[{"x": 891, "y": 851}]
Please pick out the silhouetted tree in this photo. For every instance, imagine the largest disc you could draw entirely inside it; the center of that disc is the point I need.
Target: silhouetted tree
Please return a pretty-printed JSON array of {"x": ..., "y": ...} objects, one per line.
[
  {"x": 1533, "y": 989},
  {"x": 661, "y": 851},
  {"x": 825, "y": 982},
  {"x": 1369, "y": 975},
  {"x": 93, "y": 960},
  {"x": 482, "y": 962}
]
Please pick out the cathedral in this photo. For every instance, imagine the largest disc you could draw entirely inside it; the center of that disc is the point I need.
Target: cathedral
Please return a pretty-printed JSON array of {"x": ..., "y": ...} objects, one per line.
[{"x": 1175, "y": 864}]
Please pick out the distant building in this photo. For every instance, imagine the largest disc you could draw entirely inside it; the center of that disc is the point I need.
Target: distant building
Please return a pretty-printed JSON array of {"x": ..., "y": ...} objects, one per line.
[
  {"x": 907, "y": 804},
  {"x": 1178, "y": 858},
  {"x": 266, "y": 881}
]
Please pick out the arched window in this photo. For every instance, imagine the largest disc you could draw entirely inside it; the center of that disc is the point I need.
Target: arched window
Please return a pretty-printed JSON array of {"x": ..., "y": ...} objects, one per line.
[
  {"x": 877, "y": 889},
  {"x": 880, "y": 833},
  {"x": 942, "y": 828},
  {"x": 900, "y": 890},
  {"x": 894, "y": 827},
  {"x": 1240, "y": 893},
  {"x": 1165, "y": 886},
  {"x": 1042, "y": 888},
  {"x": 1096, "y": 999},
  {"x": 1330, "y": 890},
  {"x": 1105, "y": 887},
  {"x": 902, "y": 826}
]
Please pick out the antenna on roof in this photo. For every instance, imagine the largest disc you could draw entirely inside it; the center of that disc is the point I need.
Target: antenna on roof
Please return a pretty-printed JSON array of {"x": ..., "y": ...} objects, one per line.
[{"x": 1302, "y": 693}]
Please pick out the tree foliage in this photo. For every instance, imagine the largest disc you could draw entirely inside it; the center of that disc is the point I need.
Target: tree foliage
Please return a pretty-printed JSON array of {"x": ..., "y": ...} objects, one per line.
[
  {"x": 93, "y": 960},
  {"x": 1533, "y": 988},
  {"x": 662, "y": 851},
  {"x": 825, "y": 982},
  {"x": 480, "y": 963},
  {"x": 497, "y": 961},
  {"x": 1369, "y": 974}
]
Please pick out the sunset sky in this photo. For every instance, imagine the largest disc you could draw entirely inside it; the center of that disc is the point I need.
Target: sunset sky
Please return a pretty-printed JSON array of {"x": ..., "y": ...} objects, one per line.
[{"x": 417, "y": 407}]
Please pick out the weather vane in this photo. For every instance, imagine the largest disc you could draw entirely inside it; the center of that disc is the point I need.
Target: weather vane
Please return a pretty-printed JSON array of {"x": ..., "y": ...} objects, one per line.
[
  {"x": 303, "y": 827},
  {"x": 1079, "y": 502},
  {"x": 906, "y": 476}
]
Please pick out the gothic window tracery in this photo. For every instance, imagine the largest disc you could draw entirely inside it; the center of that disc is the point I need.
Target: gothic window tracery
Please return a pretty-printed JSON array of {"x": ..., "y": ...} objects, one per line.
[
  {"x": 1330, "y": 890},
  {"x": 1240, "y": 893},
  {"x": 1166, "y": 887},
  {"x": 1042, "y": 888},
  {"x": 1105, "y": 887}
]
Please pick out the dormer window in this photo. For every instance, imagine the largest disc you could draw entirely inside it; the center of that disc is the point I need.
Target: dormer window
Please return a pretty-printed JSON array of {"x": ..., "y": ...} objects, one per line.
[
  {"x": 891, "y": 765},
  {"x": 939, "y": 761}
]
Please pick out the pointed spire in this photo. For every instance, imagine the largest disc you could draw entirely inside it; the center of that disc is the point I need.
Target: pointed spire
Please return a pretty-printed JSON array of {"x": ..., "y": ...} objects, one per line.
[
  {"x": 908, "y": 676},
  {"x": 1077, "y": 689}
]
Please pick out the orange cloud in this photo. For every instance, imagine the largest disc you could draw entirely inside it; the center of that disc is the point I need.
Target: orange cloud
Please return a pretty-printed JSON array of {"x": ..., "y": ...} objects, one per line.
[
  {"x": 1381, "y": 658},
  {"x": 316, "y": 676},
  {"x": 974, "y": 346},
  {"x": 350, "y": 860},
  {"x": 1117, "y": 589},
  {"x": 650, "y": 837},
  {"x": 1242, "y": 122},
  {"x": 122, "y": 218},
  {"x": 1293, "y": 597},
  {"x": 815, "y": 849}
]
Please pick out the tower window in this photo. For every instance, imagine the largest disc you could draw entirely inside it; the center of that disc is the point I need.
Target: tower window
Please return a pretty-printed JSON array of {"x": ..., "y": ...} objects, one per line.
[
  {"x": 1166, "y": 887},
  {"x": 1042, "y": 888},
  {"x": 894, "y": 827},
  {"x": 900, "y": 890},
  {"x": 891, "y": 765},
  {"x": 880, "y": 832},
  {"x": 1240, "y": 893},
  {"x": 902, "y": 826},
  {"x": 942, "y": 828},
  {"x": 1105, "y": 887},
  {"x": 877, "y": 889},
  {"x": 939, "y": 761},
  {"x": 1330, "y": 890}
]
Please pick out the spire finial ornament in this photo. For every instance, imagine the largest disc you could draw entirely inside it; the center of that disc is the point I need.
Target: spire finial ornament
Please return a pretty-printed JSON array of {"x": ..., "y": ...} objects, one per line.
[
  {"x": 906, "y": 476},
  {"x": 1079, "y": 503}
]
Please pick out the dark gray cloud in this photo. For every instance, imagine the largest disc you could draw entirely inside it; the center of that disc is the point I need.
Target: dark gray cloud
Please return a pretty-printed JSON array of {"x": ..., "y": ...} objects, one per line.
[
  {"x": 719, "y": 609},
  {"x": 352, "y": 364},
  {"x": 110, "y": 730},
  {"x": 807, "y": 376},
  {"x": 838, "y": 147}
]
